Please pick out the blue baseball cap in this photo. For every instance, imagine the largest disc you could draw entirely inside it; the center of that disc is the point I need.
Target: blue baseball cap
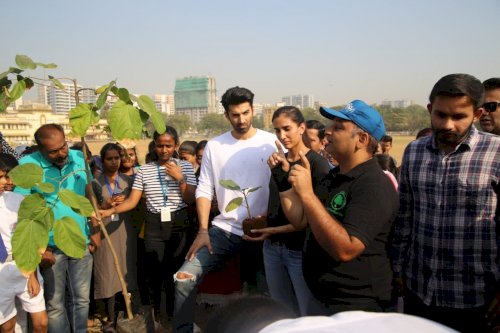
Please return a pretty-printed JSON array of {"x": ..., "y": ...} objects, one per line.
[{"x": 360, "y": 113}]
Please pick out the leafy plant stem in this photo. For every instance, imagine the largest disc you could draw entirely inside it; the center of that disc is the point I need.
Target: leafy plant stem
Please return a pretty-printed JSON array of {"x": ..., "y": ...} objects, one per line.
[{"x": 247, "y": 205}]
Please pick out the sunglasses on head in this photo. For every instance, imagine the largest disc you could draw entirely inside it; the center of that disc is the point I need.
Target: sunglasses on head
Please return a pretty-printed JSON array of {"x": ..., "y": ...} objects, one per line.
[{"x": 491, "y": 106}]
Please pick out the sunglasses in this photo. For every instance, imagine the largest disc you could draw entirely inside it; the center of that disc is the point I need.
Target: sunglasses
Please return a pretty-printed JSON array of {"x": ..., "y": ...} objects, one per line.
[{"x": 491, "y": 106}]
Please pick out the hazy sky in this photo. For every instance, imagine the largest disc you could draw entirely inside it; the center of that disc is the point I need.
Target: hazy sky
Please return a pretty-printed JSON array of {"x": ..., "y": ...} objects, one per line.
[{"x": 335, "y": 50}]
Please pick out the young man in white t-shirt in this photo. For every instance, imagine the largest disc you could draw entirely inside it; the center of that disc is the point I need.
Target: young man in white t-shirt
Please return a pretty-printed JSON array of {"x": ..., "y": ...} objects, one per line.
[
  {"x": 241, "y": 156},
  {"x": 13, "y": 284}
]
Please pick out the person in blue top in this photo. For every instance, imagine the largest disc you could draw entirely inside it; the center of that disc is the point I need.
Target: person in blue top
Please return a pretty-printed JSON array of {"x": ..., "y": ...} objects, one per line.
[{"x": 63, "y": 275}]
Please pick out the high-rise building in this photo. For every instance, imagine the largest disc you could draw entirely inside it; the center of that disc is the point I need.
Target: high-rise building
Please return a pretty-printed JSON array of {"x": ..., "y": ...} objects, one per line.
[
  {"x": 195, "y": 96},
  {"x": 165, "y": 103},
  {"x": 300, "y": 101}
]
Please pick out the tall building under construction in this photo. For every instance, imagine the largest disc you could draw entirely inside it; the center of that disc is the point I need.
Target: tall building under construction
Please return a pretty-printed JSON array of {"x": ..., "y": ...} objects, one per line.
[{"x": 195, "y": 96}]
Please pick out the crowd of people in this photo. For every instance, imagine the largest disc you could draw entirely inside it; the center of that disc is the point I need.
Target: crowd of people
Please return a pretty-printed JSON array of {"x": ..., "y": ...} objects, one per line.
[{"x": 347, "y": 229}]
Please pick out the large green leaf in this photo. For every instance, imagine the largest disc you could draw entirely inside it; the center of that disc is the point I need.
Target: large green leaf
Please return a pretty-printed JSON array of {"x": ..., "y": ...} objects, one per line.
[
  {"x": 33, "y": 207},
  {"x": 124, "y": 95},
  {"x": 233, "y": 204},
  {"x": 253, "y": 189},
  {"x": 124, "y": 121},
  {"x": 81, "y": 118},
  {"x": 30, "y": 204},
  {"x": 4, "y": 101},
  {"x": 26, "y": 175},
  {"x": 229, "y": 184},
  {"x": 28, "y": 243},
  {"x": 46, "y": 187},
  {"x": 18, "y": 90},
  {"x": 68, "y": 237},
  {"x": 78, "y": 203},
  {"x": 48, "y": 66},
  {"x": 25, "y": 62},
  {"x": 148, "y": 105},
  {"x": 11, "y": 70}
]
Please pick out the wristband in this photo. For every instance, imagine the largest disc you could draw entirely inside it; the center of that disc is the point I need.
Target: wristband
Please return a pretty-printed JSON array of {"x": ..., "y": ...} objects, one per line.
[
  {"x": 203, "y": 232},
  {"x": 281, "y": 179}
]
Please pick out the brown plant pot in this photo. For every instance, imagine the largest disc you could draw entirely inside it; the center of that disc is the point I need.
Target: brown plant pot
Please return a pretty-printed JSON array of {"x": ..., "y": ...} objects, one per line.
[{"x": 254, "y": 223}]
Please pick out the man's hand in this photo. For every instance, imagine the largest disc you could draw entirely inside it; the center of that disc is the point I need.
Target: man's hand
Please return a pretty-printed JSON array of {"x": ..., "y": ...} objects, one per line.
[
  {"x": 48, "y": 258},
  {"x": 33, "y": 285},
  {"x": 263, "y": 233},
  {"x": 300, "y": 178},
  {"x": 201, "y": 240},
  {"x": 278, "y": 158}
]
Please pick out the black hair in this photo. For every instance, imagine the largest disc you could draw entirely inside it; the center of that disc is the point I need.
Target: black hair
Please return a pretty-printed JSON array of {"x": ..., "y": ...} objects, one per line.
[
  {"x": 41, "y": 132},
  {"x": 455, "y": 85},
  {"x": 236, "y": 96},
  {"x": 7, "y": 162},
  {"x": 317, "y": 125},
  {"x": 424, "y": 132},
  {"x": 188, "y": 147},
  {"x": 491, "y": 84},
  {"x": 169, "y": 131},
  {"x": 107, "y": 147},
  {"x": 78, "y": 146},
  {"x": 291, "y": 112},
  {"x": 387, "y": 163},
  {"x": 201, "y": 145},
  {"x": 151, "y": 155},
  {"x": 386, "y": 138}
]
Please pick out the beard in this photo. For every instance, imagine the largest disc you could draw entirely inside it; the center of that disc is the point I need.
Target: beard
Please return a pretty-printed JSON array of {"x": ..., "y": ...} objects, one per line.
[{"x": 448, "y": 137}]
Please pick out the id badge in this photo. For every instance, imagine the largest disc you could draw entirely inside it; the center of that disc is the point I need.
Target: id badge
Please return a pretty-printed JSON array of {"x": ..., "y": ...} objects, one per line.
[
  {"x": 165, "y": 214},
  {"x": 115, "y": 217}
]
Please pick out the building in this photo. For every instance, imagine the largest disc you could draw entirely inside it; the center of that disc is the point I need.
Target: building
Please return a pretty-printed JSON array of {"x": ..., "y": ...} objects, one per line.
[
  {"x": 195, "y": 97},
  {"x": 62, "y": 101},
  {"x": 267, "y": 115},
  {"x": 19, "y": 126},
  {"x": 400, "y": 103},
  {"x": 300, "y": 101},
  {"x": 165, "y": 103}
]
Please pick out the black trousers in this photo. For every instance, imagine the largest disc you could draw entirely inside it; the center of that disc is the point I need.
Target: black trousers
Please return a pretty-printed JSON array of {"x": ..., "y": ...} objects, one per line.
[
  {"x": 166, "y": 245},
  {"x": 463, "y": 320}
]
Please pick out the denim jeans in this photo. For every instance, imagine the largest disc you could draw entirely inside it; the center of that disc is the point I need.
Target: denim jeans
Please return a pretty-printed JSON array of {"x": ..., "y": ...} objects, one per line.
[
  {"x": 68, "y": 277},
  {"x": 285, "y": 280},
  {"x": 224, "y": 245}
]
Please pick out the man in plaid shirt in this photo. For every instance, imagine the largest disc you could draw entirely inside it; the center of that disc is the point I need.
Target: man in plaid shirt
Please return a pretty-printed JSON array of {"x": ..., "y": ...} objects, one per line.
[{"x": 445, "y": 242}]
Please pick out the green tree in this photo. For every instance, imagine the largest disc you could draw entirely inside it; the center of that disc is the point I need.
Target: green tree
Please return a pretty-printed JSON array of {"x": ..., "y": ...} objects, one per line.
[
  {"x": 312, "y": 114},
  {"x": 214, "y": 124}
]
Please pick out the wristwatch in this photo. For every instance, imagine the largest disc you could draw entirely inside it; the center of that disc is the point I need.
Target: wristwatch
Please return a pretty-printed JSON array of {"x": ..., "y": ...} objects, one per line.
[{"x": 182, "y": 180}]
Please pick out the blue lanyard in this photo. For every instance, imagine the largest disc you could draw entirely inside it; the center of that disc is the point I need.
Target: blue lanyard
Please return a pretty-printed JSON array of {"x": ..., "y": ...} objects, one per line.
[
  {"x": 163, "y": 190},
  {"x": 112, "y": 192}
]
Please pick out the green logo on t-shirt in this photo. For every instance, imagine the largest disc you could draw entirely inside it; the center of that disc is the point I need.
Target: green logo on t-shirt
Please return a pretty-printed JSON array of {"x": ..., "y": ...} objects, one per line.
[{"x": 338, "y": 203}]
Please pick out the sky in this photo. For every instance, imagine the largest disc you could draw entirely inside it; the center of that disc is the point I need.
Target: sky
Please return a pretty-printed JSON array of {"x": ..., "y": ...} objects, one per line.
[{"x": 335, "y": 50}]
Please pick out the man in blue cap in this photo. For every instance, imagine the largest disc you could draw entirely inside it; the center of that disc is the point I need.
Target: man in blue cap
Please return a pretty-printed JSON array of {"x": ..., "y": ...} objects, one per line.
[{"x": 349, "y": 215}]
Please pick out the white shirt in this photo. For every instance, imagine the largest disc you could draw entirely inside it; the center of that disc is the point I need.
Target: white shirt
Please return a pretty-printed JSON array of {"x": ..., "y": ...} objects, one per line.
[
  {"x": 9, "y": 206},
  {"x": 244, "y": 162}
]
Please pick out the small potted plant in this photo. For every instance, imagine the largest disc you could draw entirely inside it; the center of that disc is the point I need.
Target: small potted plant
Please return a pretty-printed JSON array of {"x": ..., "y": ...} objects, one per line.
[{"x": 250, "y": 222}]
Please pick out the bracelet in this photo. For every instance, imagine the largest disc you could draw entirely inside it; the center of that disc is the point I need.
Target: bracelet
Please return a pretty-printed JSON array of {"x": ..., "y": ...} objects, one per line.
[
  {"x": 203, "y": 232},
  {"x": 182, "y": 180}
]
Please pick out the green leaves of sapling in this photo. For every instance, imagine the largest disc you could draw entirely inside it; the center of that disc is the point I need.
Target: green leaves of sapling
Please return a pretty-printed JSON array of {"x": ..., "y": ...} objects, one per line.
[
  {"x": 25, "y": 62},
  {"x": 78, "y": 203},
  {"x": 28, "y": 244},
  {"x": 148, "y": 106},
  {"x": 233, "y": 204},
  {"x": 69, "y": 237},
  {"x": 229, "y": 184},
  {"x": 26, "y": 175},
  {"x": 81, "y": 118},
  {"x": 124, "y": 121}
]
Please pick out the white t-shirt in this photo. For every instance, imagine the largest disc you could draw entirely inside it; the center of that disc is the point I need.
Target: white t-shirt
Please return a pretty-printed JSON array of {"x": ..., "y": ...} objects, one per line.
[
  {"x": 9, "y": 206},
  {"x": 358, "y": 322},
  {"x": 244, "y": 162}
]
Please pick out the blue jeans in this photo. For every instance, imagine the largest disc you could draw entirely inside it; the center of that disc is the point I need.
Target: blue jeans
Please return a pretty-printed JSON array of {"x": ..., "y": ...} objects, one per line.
[
  {"x": 68, "y": 277},
  {"x": 285, "y": 280},
  {"x": 224, "y": 245}
]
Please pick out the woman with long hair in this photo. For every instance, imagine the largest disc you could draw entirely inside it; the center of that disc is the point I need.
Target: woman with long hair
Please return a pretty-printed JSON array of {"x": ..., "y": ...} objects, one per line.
[
  {"x": 168, "y": 185},
  {"x": 282, "y": 242},
  {"x": 111, "y": 189}
]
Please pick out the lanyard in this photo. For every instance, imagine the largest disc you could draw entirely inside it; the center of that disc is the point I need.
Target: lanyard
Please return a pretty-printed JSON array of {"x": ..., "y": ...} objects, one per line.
[
  {"x": 112, "y": 192},
  {"x": 163, "y": 190}
]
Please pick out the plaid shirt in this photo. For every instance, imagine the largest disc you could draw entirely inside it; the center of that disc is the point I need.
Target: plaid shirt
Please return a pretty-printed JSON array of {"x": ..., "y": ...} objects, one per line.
[{"x": 445, "y": 243}]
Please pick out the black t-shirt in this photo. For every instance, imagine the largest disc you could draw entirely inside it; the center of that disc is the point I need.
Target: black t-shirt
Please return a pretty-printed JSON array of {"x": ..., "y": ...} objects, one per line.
[
  {"x": 276, "y": 217},
  {"x": 365, "y": 202}
]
